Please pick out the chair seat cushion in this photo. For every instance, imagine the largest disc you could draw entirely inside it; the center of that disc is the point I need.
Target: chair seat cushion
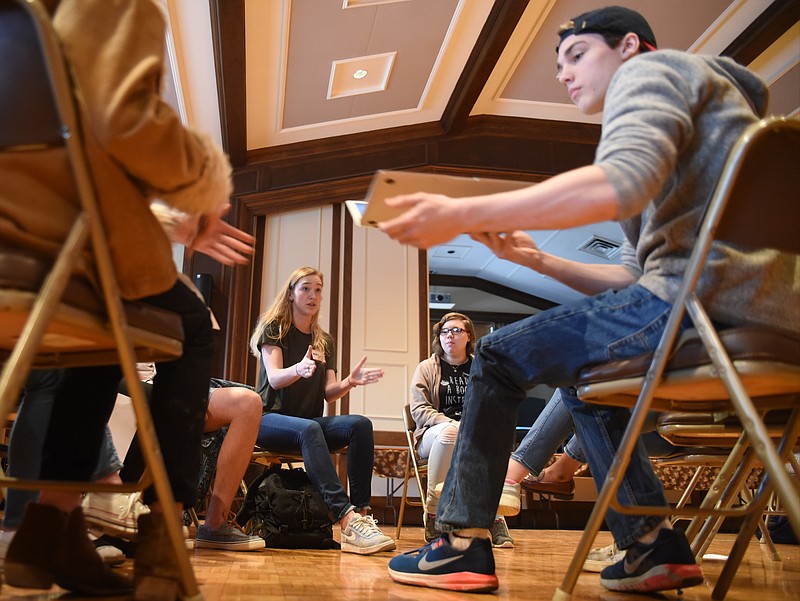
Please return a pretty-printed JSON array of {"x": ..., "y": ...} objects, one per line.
[
  {"x": 80, "y": 323},
  {"x": 741, "y": 343}
]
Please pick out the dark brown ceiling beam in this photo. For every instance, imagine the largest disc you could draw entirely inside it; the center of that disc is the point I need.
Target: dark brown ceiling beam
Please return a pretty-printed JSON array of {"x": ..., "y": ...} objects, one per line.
[
  {"x": 461, "y": 281},
  {"x": 491, "y": 42},
  {"x": 227, "y": 32},
  {"x": 488, "y": 146},
  {"x": 764, "y": 31}
]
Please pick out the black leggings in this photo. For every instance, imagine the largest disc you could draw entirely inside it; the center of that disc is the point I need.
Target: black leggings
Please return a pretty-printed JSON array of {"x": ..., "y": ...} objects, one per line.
[{"x": 85, "y": 399}]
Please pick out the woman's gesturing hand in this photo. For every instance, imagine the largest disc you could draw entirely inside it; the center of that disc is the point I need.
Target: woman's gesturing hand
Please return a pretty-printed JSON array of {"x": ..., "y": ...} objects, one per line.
[
  {"x": 361, "y": 375},
  {"x": 306, "y": 367}
]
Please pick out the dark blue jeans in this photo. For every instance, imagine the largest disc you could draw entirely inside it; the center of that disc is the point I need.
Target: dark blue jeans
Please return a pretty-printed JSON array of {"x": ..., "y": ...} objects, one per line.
[
  {"x": 551, "y": 348},
  {"x": 316, "y": 439},
  {"x": 85, "y": 398}
]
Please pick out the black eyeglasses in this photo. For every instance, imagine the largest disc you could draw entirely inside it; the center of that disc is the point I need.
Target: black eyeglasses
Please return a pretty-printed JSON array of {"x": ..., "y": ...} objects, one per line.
[{"x": 455, "y": 331}]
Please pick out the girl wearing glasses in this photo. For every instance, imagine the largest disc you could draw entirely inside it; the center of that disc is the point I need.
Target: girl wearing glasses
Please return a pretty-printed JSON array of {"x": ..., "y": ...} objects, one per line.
[
  {"x": 437, "y": 397},
  {"x": 297, "y": 377}
]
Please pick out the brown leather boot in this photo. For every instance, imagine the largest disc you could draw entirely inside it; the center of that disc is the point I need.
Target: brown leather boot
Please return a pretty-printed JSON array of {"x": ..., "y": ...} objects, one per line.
[
  {"x": 53, "y": 546},
  {"x": 156, "y": 575},
  {"x": 32, "y": 554}
]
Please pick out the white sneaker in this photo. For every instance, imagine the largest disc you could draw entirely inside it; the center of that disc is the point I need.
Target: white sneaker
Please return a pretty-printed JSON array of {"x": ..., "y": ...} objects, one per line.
[
  {"x": 509, "y": 500},
  {"x": 363, "y": 536},
  {"x": 602, "y": 557},
  {"x": 111, "y": 555},
  {"x": 116, "y": 514}
]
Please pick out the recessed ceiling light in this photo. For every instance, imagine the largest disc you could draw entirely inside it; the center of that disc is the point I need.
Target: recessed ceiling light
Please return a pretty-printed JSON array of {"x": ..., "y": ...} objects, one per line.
[{"x": 360, "y": 74}]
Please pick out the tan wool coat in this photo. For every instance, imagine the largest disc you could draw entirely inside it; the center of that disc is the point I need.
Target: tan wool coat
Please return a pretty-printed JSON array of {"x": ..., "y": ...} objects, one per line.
[{"x": 138, "y": 149}]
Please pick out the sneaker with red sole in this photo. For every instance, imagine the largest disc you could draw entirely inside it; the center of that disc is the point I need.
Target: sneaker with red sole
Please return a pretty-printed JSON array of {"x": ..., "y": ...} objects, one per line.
[
  {"x": 664, "y": 565},
  {"x": 440, "y": 565}
]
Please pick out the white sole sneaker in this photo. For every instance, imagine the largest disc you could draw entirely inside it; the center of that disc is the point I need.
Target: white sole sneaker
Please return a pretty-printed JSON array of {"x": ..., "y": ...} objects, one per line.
[
  {"x": 389, "y": 545},
  {"x": 602, "y": 557},
  {"x": 362, "y": 536}
]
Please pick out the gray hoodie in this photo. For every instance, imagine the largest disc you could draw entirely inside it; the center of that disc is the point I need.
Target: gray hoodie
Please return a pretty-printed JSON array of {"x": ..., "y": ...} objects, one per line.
[{"x": 670, "y": 119}]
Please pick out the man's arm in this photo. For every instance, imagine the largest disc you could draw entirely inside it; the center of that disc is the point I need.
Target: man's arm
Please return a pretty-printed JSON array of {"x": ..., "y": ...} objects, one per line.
[
  {"x": 587, "y": 278},
  {"x": 571, "y": 199}
]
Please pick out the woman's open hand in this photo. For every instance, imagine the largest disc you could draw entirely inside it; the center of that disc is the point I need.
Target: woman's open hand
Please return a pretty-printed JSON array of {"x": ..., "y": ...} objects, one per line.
[{"x": 361, "y": 375}]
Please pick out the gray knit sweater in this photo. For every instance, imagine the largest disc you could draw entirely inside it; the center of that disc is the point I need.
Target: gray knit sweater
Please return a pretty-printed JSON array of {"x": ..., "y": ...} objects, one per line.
[{"x": 670, "y": 119}]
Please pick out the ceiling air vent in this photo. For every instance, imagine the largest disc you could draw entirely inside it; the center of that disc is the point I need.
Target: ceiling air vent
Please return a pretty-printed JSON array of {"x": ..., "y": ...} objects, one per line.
[{"x": 601, "y": 247}]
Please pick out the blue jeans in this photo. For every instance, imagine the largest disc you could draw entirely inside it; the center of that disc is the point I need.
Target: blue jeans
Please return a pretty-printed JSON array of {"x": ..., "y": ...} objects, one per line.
[
  {"x": 316, "y": 439},
  {"x": 546, "y": 435},
  {"x": 551, "y": 348},
  {"x": 553, "y": 426},
  {"x": 27, "y": 439}
]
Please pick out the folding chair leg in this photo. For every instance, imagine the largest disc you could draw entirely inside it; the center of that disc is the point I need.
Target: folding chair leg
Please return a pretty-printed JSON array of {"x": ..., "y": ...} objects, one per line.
[
  {"x": 763, "y": 527},
  {"x": 687, "y": 494},
  {"x": 724, "y": 500},
  {"x": 423, "y": 495},
  {"x": 713, "y": 495},
  {"x": 743, "y": 539},
  {"x": 402, "y": 504},
  {"x": 759, "y": 505}
]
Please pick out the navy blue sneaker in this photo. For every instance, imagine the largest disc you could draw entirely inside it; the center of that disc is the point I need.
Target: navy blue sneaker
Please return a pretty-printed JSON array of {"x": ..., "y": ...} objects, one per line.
[
  {"x": 440, "y": 565},
  {"x": 666, "y": 564}
]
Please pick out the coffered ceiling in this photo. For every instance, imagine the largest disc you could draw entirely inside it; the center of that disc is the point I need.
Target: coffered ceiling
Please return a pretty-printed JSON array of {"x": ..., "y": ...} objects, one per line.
[{"x": 310, "y": 97}]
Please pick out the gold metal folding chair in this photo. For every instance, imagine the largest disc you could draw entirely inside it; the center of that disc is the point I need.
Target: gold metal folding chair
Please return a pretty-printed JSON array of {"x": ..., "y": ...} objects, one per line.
[
  {"x": 745, "y": 370},
  {"x": 49, "y": 317},
  {"x": 416, "y": 468}
]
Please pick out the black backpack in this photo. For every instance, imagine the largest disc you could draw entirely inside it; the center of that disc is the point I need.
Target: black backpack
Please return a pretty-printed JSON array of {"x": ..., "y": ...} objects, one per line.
[{"x": 285, "y": 509}]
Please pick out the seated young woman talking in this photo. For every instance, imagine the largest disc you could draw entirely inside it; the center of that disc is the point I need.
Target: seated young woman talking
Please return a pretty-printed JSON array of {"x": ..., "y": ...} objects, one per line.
[{"x": 297, "y": 376}]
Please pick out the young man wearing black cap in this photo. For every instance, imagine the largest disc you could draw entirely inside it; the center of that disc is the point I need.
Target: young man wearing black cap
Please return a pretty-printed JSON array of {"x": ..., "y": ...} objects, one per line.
[{"x": 669, "y": 119}]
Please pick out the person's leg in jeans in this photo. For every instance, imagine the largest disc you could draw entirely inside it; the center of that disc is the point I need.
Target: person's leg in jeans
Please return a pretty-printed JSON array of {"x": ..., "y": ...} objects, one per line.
[
  {"x": 51, "y": 543},
  {"x": 315, "y": 439},
  {"x": 284, "y": 433},
  {"x": 542, "y": 440},
  {"x": 546, "y": 435},
  {"x": 549, "y": 348},
  {"x": 355, "y": 433},
  {"x": 27, "y": 439}
]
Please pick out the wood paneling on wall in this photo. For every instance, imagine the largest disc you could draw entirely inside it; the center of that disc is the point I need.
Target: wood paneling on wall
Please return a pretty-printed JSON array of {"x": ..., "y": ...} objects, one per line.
[
  {"x": 298, "y": 239},
  {"x": 385, "y": 317}
]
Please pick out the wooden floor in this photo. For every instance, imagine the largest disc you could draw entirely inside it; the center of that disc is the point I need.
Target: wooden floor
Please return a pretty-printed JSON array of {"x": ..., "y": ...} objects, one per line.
[{"x": 532, "y": 570}]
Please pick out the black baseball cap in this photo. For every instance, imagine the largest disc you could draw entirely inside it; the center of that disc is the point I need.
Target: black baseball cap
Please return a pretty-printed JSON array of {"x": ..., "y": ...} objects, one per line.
[{"x": 613, "y": 19}]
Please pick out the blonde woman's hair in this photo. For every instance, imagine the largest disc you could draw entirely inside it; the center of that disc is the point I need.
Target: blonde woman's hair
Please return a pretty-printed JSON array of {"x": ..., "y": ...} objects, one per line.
[
  {"x": 436, "y": 344},
  {"x": 280, "y": 314}
]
